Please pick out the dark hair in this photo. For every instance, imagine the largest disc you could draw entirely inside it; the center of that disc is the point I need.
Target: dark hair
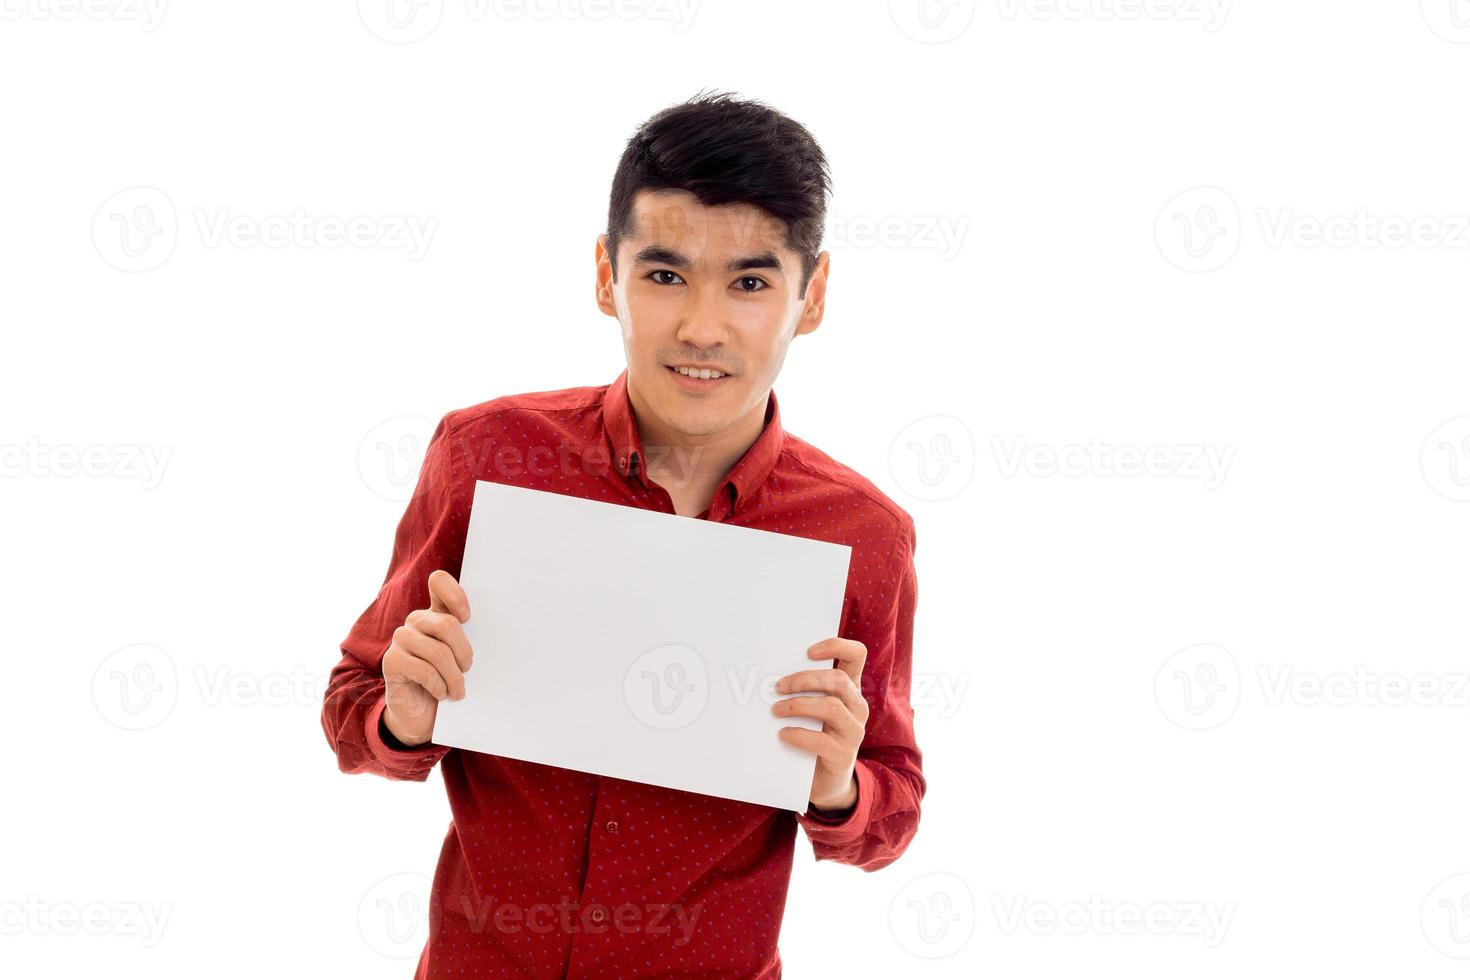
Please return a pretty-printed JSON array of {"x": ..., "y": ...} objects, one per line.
[{"x": 727, "y": 150}]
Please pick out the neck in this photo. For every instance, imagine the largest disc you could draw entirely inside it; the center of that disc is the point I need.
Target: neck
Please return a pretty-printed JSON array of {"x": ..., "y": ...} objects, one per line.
[{"x": 691, "y": 467}]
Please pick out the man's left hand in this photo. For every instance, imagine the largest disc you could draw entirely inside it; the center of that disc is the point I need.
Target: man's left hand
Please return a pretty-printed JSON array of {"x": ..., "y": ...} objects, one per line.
[{"x": 843, "y": 713}]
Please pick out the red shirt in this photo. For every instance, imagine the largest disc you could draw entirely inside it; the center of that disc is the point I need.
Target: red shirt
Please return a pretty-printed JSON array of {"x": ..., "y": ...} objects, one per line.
[{"x": 548, "y": 872}]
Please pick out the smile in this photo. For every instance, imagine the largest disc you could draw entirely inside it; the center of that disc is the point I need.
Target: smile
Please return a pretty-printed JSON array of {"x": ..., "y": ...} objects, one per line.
[{"x": 697, "y": 379}]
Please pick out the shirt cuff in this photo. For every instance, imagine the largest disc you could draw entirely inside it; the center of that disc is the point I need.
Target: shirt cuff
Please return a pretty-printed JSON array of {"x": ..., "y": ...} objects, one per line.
[
  {"x": 842, "y": 830},
  {"x": 416, "y": 760}
]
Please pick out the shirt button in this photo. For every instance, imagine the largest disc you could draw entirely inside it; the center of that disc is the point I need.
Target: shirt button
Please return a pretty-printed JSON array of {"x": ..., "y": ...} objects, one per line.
[
  {"x": 598, "y": 914},
  {"x": 611, "y": 826}
]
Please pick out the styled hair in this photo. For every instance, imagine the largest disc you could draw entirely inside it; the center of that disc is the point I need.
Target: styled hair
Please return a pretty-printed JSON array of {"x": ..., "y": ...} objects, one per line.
[{"x": 727, "y": 150}]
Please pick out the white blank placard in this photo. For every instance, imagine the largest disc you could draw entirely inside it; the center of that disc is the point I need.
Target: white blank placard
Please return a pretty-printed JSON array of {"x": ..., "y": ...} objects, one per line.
[{"x": 641, "y": 645}]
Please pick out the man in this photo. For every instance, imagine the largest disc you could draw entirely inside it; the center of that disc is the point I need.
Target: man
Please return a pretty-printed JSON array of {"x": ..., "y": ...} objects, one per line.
[{"x": 710, "y": 265}]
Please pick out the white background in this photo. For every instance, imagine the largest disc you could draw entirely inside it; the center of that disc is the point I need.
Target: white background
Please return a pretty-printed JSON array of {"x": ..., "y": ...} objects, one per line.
[{"x": 1139, "y": 202}]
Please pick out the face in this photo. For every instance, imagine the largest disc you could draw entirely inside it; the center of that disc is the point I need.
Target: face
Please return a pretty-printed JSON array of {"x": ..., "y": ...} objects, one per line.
[{"x": 705, "y": 289}]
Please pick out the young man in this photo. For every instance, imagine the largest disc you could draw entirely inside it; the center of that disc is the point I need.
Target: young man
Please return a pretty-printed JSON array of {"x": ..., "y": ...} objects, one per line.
[{"x": 710, "y": 265}]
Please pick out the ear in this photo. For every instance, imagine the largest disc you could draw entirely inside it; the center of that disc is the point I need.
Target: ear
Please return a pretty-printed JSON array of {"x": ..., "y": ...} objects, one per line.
[
  {"x": 604, "y": 278},
  {"x": 815, "y": 304}
]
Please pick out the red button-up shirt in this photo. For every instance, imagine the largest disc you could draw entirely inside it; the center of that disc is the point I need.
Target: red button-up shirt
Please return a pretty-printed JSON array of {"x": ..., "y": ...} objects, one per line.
[{"x": 548, "y": 872}]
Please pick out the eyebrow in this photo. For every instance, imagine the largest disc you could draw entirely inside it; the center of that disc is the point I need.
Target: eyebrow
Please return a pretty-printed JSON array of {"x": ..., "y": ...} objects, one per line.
[{"x": 659, "y": 255}]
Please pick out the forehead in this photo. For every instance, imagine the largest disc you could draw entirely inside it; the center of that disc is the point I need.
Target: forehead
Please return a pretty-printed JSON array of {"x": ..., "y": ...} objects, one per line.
[{"x": 677, "y": 220}]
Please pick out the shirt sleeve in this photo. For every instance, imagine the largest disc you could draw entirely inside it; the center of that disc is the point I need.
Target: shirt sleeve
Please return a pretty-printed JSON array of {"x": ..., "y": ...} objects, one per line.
[
  {"x": 890, "y": 779},
  {"x": 430, "y": 536}
]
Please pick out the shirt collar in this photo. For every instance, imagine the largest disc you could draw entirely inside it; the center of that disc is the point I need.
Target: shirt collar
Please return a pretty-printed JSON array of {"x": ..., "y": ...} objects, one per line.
[{"x": 744, "y": 478}]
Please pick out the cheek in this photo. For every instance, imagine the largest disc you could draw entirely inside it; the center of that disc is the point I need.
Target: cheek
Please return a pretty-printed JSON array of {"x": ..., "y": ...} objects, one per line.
[{"x": 649, "y": 309}]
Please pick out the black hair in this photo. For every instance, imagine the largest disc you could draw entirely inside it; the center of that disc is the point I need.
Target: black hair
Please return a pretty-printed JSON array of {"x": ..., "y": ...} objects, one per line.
[{"x": 727, "y": 150}]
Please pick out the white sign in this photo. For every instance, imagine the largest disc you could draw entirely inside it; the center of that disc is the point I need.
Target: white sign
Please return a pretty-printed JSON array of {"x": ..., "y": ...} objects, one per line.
[{"x": 640, "y": 645}]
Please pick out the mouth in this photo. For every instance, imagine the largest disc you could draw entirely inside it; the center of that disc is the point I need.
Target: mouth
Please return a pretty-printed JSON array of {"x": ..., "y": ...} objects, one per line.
[{"x": 697, "y": 379}]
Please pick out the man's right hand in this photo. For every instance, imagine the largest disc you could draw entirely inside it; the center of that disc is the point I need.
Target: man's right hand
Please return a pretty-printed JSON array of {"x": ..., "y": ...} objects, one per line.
[{"x": 427, "y": 661}]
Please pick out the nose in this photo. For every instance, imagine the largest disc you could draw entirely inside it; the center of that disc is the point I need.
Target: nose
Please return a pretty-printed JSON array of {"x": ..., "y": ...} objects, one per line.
[{"x": 703, "y": 323}]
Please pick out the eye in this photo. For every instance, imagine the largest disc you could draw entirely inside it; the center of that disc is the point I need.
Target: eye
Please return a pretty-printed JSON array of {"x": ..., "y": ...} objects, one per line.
[
  {"x": 665, "y": 282},
  {"x": 752, "y": 284}
]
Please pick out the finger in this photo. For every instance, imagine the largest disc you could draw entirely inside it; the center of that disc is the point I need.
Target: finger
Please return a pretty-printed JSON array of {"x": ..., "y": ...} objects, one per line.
[
  {"x": 849, "y": 654},
  {"x": 446, "y": 595},
  {"x": 400, "y": 665},
  {"x": 829, "y": 681},
  {"x": 820, "y": 743},
  {"x": 436, "y": 654},
  {"x": 836, "y": 717},
  {"x": 447, "y": 629}
]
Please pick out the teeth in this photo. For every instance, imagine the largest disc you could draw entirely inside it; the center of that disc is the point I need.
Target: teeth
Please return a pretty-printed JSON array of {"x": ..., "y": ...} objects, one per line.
[{"x": 704, "y": 373}]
